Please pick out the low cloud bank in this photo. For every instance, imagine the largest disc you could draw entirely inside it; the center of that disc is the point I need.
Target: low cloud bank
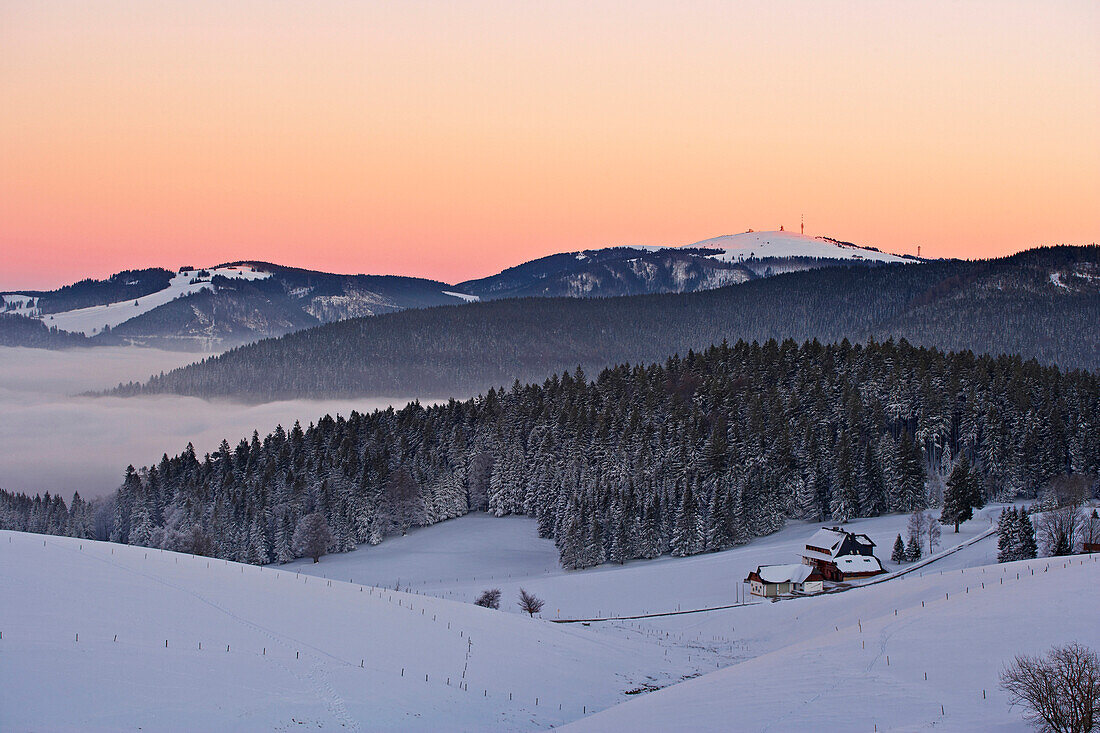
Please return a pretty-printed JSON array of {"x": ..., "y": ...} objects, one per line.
[{"x": 52, "y": 440}]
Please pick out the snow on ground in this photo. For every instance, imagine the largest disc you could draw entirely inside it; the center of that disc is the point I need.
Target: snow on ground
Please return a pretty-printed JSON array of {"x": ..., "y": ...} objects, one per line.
[
  {"x": 21, "y": 304},
  {"x": 758, "y": 245},
  {"x": 851, "y": 660},
  {"x": 858, "y": 660},
  {"x": 460, "y": 558},
  {"x": 91, "y": 320},
  {"x": 279, "y": 650},
  {"x": 463, "y": 296}
]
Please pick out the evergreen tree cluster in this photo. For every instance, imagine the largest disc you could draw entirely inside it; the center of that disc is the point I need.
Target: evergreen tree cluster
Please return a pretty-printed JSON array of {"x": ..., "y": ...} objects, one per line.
[
  {"x": 46, "y": 514},
  {"x": 1016, "y": 536},
  {"x": 698, "y": 454}
]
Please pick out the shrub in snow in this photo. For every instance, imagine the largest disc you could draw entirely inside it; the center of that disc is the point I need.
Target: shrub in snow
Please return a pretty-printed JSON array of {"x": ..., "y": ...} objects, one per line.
[
  {"x": 489, "y": 598},
  {"x": 1059, "y": 692}
]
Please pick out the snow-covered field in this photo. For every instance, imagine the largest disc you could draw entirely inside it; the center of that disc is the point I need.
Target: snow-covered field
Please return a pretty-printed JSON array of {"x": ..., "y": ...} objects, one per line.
[
  {"x": 886, "y": 657},
  {"x": 280, "y": 650},
  {"x": 91, "y": 320},
  {"x": 282, "y": 647},
  {"x": 759, "y": 245},
  {"x": 460, "y": 558}
]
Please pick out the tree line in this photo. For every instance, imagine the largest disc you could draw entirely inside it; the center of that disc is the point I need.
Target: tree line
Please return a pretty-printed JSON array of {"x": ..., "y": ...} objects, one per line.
[{"x": 697, "y": 454}]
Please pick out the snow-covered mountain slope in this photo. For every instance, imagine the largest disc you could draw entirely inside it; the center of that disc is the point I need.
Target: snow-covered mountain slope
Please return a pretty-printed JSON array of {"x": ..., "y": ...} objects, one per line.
[
  {"x": 215, "y": 307},
  {"x": 96, "y": 636},
  {"x": 609, "y": 272},
  {"x": 639, "y": 269},
  {"x": 761, "y": 245},
  {"x": 92, "y": 320},
  {"x": 914, "y": 654}
]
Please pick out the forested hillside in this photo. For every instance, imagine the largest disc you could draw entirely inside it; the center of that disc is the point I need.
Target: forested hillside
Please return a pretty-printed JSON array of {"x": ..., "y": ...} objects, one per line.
[
  {"x": 695, "y": 455},
  {"x": 125, "y": 285},
  {"x": 612, "y": 272},
  {"x": 18, "y": 330},
  {"x": 1042, "y": 303}
]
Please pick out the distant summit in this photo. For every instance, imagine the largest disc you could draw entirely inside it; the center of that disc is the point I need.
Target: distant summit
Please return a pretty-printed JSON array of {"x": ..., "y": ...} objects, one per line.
[
  {"x": 782, "y": 245},
  {"x": 644, "y": 269}
]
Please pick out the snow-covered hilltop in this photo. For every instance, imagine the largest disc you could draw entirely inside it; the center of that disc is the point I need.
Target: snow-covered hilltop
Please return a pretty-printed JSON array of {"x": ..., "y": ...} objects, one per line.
[
  {"x": 208, "y": 308},
  {"x": 781, "y": 244},
  {"x": 641, "y": 269},
  {"x": 94, "y": 319}
]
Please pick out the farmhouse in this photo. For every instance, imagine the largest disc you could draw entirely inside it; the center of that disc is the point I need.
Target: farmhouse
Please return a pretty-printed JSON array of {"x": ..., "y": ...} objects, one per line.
[
  {"x": 770, "y": 581},
  {"x": 839, "y": 555}
]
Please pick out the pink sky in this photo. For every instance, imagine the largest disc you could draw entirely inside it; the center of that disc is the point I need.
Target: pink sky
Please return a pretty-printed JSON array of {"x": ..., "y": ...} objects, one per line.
[{"x": 451, "y": 140}]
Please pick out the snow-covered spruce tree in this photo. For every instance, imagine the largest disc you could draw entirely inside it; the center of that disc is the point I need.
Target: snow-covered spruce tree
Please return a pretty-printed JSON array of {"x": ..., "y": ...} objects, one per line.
[
  {"x": 312, "y": 536},
  {"x": 959, "y": 496},
  {"x": 915, "y": 529},
  {"x": 1025, "y": 546},
  {"x": 913, "y": 549},
  {"x": 1006, "y": 535},
  {"x": 898, "y": 554}
]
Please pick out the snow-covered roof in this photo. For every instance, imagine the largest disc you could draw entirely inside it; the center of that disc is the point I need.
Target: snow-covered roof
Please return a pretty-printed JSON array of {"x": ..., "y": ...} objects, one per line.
[
  {"x": 858, "y": 564},
  {"x": 795, "y": 573},
  {"x": 826, "y": 539}
]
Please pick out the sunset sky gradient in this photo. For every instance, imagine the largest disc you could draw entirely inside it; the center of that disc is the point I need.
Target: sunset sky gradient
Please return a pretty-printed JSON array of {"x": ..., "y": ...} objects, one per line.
[{"x": 453, "y": 139}]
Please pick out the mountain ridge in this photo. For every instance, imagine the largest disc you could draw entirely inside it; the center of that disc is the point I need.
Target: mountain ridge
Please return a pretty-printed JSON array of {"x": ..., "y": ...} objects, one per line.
[
  {"x": 1004, "y": 306},
  {"x": 239, "y": 301}
]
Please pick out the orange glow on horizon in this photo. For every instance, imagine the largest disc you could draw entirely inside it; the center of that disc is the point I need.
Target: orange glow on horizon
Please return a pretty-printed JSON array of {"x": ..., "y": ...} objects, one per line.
[{"x": 453, "y": 140}]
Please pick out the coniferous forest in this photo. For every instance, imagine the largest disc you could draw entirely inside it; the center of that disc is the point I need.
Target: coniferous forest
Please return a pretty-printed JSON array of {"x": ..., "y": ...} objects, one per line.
[{"x": 701, "y": 453}]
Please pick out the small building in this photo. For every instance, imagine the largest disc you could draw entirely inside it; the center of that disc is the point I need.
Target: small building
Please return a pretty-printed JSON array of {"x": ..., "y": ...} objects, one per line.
[
  {"x": 769, "y": 581},
  {"x": 830, "y": 544}
]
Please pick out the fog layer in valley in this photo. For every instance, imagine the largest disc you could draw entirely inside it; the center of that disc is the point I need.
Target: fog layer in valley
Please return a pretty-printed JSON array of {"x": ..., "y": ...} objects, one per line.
[{"x": 52, "y": 440}]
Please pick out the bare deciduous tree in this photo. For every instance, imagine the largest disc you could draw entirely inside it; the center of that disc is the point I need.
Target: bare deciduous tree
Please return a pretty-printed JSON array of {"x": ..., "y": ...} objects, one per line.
[
  {"x": 1059, "y": 530},
  {"x": 1068, "y": 490},
  {"x": 312, "y": 536},
  {"x": 489, "y": 598},
  {"x": 530, "y": 603},
  {"x": 932, "y": 529},
  {"x": 1059, "y": 692}
]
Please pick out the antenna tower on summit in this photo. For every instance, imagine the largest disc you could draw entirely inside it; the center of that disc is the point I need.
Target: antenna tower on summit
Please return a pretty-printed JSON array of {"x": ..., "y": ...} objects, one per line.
[{"x": 803, "y": 227}]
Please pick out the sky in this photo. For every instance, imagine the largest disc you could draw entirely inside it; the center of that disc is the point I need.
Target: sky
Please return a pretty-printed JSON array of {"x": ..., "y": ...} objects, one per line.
[{"x": 450, "y": 140}]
